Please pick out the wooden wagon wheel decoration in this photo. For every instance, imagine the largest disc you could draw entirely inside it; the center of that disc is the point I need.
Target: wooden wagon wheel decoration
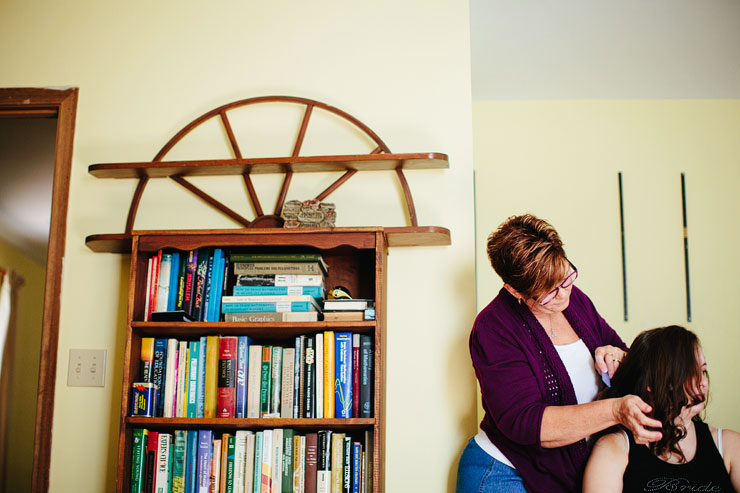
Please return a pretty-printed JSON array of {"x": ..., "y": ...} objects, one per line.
[
  {"x": 380, "y": 158},
  {"x": 262, "y": 219}
]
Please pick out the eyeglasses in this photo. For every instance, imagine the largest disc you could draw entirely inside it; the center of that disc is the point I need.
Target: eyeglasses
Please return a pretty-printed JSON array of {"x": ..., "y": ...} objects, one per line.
[{"x": 563, "y": 285}]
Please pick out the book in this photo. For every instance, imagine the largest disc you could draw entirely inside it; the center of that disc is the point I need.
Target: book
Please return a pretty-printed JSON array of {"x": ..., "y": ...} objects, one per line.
[
  {"x": 143, "y": 397},
  {"x": 191, "y": 462},
  {"x": 369, "y": 447},
  {"x": 242, "y": 367},
  {"x": 279, "y": 280},
  {"x": 286, "y": 386},
  {"x": 151, "y": 461},
  {"x": 367, "y": 362},
  {"x": 258, "y": 307},
  {"x": 182, "y": 379},
  {"x": 347, "y": 304},
  {"x": 356, "y": 466},
  {"x": 191, "y": 266},
  {"x": 147, "y": 297},
  {"x": 254, "y": 381},
  {"x": 174, "y": 277},
  {"x": 240, "y": 456},
  {"x": 272, "y": 317},
  {"x": 226, "y": 398},
  {"x": 159, "y": 365},
  {"x": 162, "y": 477},
  {"x": 216, "y": 485},
  {"x": 313, "y": 268},
  {"x": 230, "y": 464},
  {"x": 302, "y": 377},
  {"x": 276, "y": 482},
  {"x": 217, "y": 286},
  {"x": 319, "y": 376},
  {"x": 323, "y": 453},
  {"x": 343, "y": 374},
  {"x": 224, "y": 461},
  {"x": 309, "y": 403},
  {"x": 193, "y": 372},
  {"x": 297, "y": 359},
  {"x": 147, "y": 359},
  {"x": 249, "y": 463},
  {"x": 178, "y": 463},
  {"x": 266, "y": 480},
  {"x": 176, "y": 316},
  {"x": 180, "y": 295},
  {"x": 265, "y": 381},
  {"x": 349, "y": 316},
  {"x": 201, "y": 275},
  {"x": 138, "y": 459},
  {"x": 276, "y": 381},
  {"x": 329, "y": 399},
  {"x": 347, "y": 465},
  {"x": 279, "y": 257},
  {"x": 337, "y": 460},
  {"x": 163, "y": 282},
  {"x": 356, "y": 375},
  {"x": 208, "y": 288},
  {"x": 299, "y": 459},
  {"x": 156, "y": 264},
  {"x": 311, "y": 461},
  {"x": 316, "y": 292},
  {"x": 257, "y": 478},
  {"x": 170, "y": 378},
  {"x": 201, "y": 387},
  {"x": 211, "y": 377},
  {"x": 287, "y": 462}
]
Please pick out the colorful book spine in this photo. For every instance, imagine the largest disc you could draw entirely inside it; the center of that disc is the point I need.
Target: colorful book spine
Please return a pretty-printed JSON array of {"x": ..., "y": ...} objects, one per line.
[
  {"x": 317, "y": 292},
  {"x": 226, "y": 399},
  {"x": 240, "y": 459},
  {"x": 300, "y": 268},
  {"x": 266, "y": 479},
  {"x": 229, "y": 476},
  {"x": 163, "y": 282},
  {"x": 151, "y": 460},
  {"x": 143, "y": 397},
  {"x": 347, "y": 465},
  {"x": 205, "y": 439},
  {"x": 257, "y": 479},
  {"x": 174, "y": 275},
  {"x": 356, "y": 375},
  {"x": 337, "y": 458},
  {"x": 309, "y": 395},
  {"x": 242, "y": 367},
  {"x": 200, "y": 408},
  {"x": 343, "y": 374},
  {"x": 191, "y": 462},
  {"x": 287, "y": 461},
  {"x": 147, "y": 359},
  {"x": 216, "y": 287},
  {"x": 249, "y": 464},
  {"x": 207, "y": 290},
  {"x": 265, "y": 380},
  {"x": 211, "y": 378},
  {"x": 159, "y": 366},
  {"x": 268, "y": 306},
  {"x": 311, "y": 467},
  {"x": 356, "y": 465},
  {"x": 216, "y": 466},
  {"x": 319, "y": 376},
  {"x": 279, "y": 280},
  {"x": 276, "y": 367},
  {"x": 170, "y": 378},
  {"x": 366, "y": 376},
  {"x": 138, "y": 460},
  {"x": 297, "y": 374},
  {"x": 193, "y": 372},
  {"x": 276, "y": 479},
  {"x": 191, "y": 267},
  {"x": 329, "y": 399},
  {"x": 272, "y": 317},
  {"x": 162, "y": 478},
  {"x": 147, "y": 297},
  {"x": 286, "y": 390},
  {"x": 182, "y": 379},
  {"x": 178, "y": 463},
  {"x": 201, "y": 273},
  {"x": 180, "y": 297},
  {"x": 254, "y": 381}
]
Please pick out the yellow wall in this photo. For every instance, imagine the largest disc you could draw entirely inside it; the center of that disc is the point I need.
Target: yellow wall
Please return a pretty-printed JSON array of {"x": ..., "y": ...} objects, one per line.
[
  {"x": 559, "y": 160},
  {"x": 146, "y": 69},
  {"x": 25, "y": 371}
]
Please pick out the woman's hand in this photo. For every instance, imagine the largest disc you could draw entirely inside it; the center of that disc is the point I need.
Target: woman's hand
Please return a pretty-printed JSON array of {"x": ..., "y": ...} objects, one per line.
[
  {"x": 631, "y": 412},
  {"x": 607, "y": 359}
]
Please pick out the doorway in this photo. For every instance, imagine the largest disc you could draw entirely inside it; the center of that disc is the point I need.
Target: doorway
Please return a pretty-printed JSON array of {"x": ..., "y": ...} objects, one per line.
[{"x": 60, "y": 104}]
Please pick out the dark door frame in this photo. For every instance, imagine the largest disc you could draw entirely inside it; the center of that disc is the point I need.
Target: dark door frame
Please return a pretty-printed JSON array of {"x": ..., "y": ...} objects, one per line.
[{"x": 62, "y": 104}]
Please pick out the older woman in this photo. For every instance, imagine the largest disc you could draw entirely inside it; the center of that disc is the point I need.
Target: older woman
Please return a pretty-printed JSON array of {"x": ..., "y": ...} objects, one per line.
[
  {"x": 666, "y": 366},
  {"x": 538, "y": 350}
]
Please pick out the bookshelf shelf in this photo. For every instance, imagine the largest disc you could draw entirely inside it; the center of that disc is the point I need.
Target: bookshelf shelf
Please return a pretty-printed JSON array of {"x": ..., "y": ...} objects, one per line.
[
  {"x": 264, "y": 330},
  {"x": 230, "y": 424}
]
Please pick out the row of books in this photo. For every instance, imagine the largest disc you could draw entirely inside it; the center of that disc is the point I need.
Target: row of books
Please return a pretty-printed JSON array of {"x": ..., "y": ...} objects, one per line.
[
  {"x": 323, "y": 375},
  {"x": 186, "y": 285},
  {"x": 279, "y": 460}
]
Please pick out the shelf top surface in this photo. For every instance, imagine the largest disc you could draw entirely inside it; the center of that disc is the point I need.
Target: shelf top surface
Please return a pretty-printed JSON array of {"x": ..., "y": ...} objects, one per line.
[
  {"x": 396, "y": 236},
  {"x": 298, "y": 164}
]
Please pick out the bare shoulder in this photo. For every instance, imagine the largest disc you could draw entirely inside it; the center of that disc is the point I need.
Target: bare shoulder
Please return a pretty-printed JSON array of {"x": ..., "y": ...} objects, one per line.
[
  {"x": 730, "y": 439},
  {"x": 607, "y": 464},
  {"x": 613, "y": 443}
]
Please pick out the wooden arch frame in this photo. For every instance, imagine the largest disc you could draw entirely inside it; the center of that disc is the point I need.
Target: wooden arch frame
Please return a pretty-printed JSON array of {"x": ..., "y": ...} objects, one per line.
[{"x": 62, "y": 104}]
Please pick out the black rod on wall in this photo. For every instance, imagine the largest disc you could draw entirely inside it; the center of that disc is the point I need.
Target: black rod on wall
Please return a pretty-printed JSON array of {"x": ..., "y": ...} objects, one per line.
[
  {"x": 624, "y": 258},
  {"x": 685, "y": 248}
]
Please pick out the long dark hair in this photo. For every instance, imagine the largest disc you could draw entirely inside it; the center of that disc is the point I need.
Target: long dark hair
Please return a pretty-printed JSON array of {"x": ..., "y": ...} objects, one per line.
[{"x": 661, "y": 368}]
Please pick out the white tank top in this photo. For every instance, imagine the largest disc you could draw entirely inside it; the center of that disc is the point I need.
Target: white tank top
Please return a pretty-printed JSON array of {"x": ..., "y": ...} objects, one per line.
[{"x": 582, "y": 372}]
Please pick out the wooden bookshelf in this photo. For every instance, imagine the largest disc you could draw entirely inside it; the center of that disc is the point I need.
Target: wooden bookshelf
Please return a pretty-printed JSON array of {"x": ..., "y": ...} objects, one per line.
[{"x": 357, "y": 259}]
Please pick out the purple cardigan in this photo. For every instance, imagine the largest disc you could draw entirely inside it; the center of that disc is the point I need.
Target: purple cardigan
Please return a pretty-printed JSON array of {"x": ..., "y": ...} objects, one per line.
[{"x": 520, "y": 374}]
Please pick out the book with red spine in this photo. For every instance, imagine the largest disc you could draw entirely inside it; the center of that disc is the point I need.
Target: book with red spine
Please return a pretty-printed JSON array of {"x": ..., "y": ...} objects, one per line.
[
  {"x": 226, "y": 396},
  {"x": 156, "y": 264}
]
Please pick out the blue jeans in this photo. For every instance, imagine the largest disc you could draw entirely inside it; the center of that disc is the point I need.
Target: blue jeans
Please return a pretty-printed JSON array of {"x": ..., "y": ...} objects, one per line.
[{"x": 478, "y": 472}]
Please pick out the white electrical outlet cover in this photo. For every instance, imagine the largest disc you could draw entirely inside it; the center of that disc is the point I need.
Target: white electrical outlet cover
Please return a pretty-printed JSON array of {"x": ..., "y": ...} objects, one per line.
[{"x": 86, "y": 368}]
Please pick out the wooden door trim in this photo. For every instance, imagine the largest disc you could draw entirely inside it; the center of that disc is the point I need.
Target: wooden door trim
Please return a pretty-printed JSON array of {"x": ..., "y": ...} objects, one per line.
[{"x": 36, "y": 102}]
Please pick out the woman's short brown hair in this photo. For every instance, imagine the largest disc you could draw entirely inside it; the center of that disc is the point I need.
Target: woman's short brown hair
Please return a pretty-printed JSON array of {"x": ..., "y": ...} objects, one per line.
[{"x": 527, "y": 253}]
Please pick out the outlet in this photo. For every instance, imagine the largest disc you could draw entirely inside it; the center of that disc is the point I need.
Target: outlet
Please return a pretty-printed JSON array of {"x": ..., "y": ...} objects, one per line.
[{"x": 86, "y": 368}]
